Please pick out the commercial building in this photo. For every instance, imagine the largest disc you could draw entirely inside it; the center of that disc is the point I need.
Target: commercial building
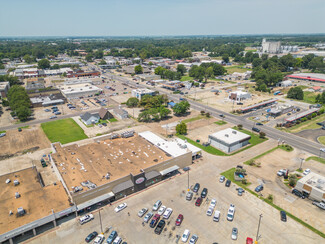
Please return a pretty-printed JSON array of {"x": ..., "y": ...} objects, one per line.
[
  {"x": 148, "y": 77},
  {"x": 285, "y": 83},
  {"x": 313, "y": 185},
  {"x": 239, "y": 96},
  {"x": 279, "y": 110},
  {"x": 121, "y": 113},
  {"x": 45, "y": 101},
  {"x": 271, "y": 47},
  {"x": 35, "y": 83},
  {"x": 26, "y": 204},
  {"x": 308, "y": 77},
  {"x": 79, "y": 90},
  {"x": 259, "y": 105},
  {"x": 139, "y": 93},
  {"x": 229, "y": 140},
  {"x": 81, "y": 73},
  {"x": 4, "y": 88},
  {"x": 301, "y": 115}
]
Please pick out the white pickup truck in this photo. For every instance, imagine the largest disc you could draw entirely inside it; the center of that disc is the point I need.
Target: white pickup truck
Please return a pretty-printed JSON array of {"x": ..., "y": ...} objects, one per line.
[{"x": 319, "y": 204}]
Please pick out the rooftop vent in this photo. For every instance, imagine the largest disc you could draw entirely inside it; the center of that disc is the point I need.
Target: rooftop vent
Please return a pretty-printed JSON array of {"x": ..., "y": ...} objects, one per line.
[
  {"x": 226, "y": 135},
  {"x": 10, "y": 213},
  {"x": 234, "y": 132},
  {"x": 16, "y": 182},
  {"x": 17, "y": 195},
  {"x": 21, "y": 211}
]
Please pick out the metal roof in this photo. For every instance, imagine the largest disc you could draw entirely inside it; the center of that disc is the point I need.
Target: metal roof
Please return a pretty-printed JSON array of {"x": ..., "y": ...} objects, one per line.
[
  {"x": 230, "y": 136},
  {"x": 302, "y": 114},
  {"x": 260, "y": 104}
]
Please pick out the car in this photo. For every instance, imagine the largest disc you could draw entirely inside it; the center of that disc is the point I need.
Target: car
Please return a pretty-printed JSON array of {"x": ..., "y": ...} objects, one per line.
[
  {"x": 2, "y": 134},
  {"x": 209, "y": 211},
  {"x": 91, "y": 236},
  {"x": 222, "y": 179},
  {"x": 196, "y": 187},
  {"x": 57, "y": 113},
  {"x": 161, "y": 210},
  {"x": 142, "y": 212},
  {"x": 259, "y": 188},
  {"x": 111, "y": 237},
  {"x": 228, "y": 182},
  {"x": 117, "y": 240},
  {"x": 323, "y": 127},
  {"x": 156, "y": 205},
  {"x": 221, "y": 115},
  {"x": 53, "y": 117},
  {"x": 240, "y": 191},
  {"x": 281, "y": 172},
  {"x": 204, "y": 193},
  {"x": 148, "y": 217},
  {"x": 234, "y": 233},
  {"x": 283, "y": 216},
  {"x": 198, "y": 202},
  {"x": 120, "y": 207},
  {"x": 231, "y": 212},
  {"x": 216, "y": 216},
  {"x": 213, "y": 203},
  {"x": 321, "y": 124},
  {"x": 99, "y": 239},
  {"x": 185, "y": 235},
  {"x": 104, "y": 124},
  {"x": 322, "y": 149},
  {"x": 193, "y": 239},
  {"x": 189, "y": 196},
  {"x": 258, "y": 123},
  {"x": 298, "y": 193},
  {"x": 306, "y": 172},
  {"x": 179, "y": 220},
  {"x": 256, "y": 129},
  {"x": 154, "y": 220},
  {"x": 167, "y": 213},
  {"x": 86, "y": 218},
  {"x": 20, "y": 129},
  {"x": 47, "y": 110},
  {"x": 160, "y": 226}
]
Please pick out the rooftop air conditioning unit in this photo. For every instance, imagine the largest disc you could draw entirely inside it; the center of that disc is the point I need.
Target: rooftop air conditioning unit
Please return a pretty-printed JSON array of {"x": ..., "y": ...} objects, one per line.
[
  {"x": 21, "y": 211},
  {"x": 17, "y": 195},
  {"x": 16, "y": 182},
  {"x": 8, "y": 181},
  {"x": 226, "y": 135}
]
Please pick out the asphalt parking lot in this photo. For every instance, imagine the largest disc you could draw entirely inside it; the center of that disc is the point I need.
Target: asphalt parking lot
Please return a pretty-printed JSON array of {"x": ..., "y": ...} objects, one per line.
[{"x": 172, "y": 194}]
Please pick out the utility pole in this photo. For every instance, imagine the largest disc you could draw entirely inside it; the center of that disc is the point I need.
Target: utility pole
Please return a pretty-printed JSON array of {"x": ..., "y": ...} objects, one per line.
[
  {"x": 188, "y": 180},
  {"x": 258, "y": 228},
  {"x": 301, "y": 160},
  {"x": 100, "y": 219}
]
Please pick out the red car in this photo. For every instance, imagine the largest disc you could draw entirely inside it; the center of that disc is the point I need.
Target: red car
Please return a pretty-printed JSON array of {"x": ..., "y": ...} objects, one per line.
[
  {"x": 154, "y": 220},
  {"x": 249, "y": 240},
  {"x": 179, "y": 220},
  {"x": 198, "y": 202}
]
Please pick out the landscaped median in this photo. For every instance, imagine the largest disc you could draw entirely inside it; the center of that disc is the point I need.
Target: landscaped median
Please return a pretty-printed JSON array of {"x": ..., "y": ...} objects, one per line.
[
  {"x": 229, "y": 174},
  {"x": 63, "y": 130},
  {"x": 318, "y": 159},
  {"x": 255, "y": 139}
]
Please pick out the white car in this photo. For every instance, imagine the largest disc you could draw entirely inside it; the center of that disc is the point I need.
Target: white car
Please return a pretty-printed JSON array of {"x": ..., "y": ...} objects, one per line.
[
  {"x": 210, "y": 211},
  {"x": 156, "y": 205},
  {"x": 193, "y": 239},
  {"x": 86, "y": 218},
  {"x": 120, "y": 207},
  {"x": 161, "y": 210},
  {"x": 167, "y": 213},
  {"x": 99, "y": 239},
  {"x": 213, "y": 203},
  {"x": 281, "y": 172},
  {"x": 117, "y": 240},
  {"x": 231, "y": 212},
  {"x": 148, "y": 217},
  {"x": 306, "y": 172},
  {"x": 142, "y": 212},
  {"x": 322, "y": 149},
  {"x": 185, "y": 235}
]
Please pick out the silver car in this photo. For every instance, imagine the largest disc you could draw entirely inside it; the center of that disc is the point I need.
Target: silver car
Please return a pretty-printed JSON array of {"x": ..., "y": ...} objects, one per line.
[
  {"x": 222, "y": 179},
  {"x": 234, "y": 233},
  {"x": 148, "y": 217},
  {"x": 142, "y": 212},
  {"x": 193, "y": 239}
]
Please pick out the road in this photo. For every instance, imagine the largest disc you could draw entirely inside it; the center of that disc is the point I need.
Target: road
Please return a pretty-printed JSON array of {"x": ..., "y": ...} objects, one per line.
[{"x": 293, "y": 140}]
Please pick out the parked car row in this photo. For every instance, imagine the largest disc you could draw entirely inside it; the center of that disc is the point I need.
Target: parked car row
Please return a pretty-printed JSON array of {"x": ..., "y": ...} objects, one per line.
[{"x": 113, "y": 238}]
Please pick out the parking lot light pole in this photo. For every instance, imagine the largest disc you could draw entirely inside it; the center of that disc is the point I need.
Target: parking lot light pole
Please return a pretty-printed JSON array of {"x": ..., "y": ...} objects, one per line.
[
  {"x": 188, "y": 180},
  {"x": 301, "y": 160},
  {"x": 258, "y": 228},
  {"x": 100, "y": 219}
]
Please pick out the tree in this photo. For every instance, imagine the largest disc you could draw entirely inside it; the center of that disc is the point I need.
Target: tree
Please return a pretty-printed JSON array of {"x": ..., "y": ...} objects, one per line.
[
  {"x": 208, "y": 73},
  {"x": 240, "y": 126},
  {"x": 262, "y": 134},
  {"x": 99, "y": 54},
  {"x": 102, "y": 62},
  {"x": 181, "y": 128},
  {"x": 181, "y": 108},
  {"x": 132, "y": 102},
  {"x": 23, "y": 113},
  {"x": 225, "y": 58},
  {"x": 28, "y": 59},
  {"x": 44, "y": 64},
  {"x": 296, "y": 93},
  {"x": 89, "y": 57},
  {"x": 144, "y": 116},
  {"x": 181, "y": 69},
  {"x": 138, "y": 69},
  {"x": 164, "y": 112}
]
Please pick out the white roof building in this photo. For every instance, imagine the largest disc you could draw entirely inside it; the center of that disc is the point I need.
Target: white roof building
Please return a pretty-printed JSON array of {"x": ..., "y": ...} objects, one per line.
[
  {"x": 314, "y": 185},
  {"x": 79, "y": 90},
  {"x": 239, "y": 95}
]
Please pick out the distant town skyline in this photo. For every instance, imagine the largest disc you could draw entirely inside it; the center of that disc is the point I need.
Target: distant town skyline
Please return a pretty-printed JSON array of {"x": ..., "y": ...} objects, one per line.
[{"x": 160, "y": 18}]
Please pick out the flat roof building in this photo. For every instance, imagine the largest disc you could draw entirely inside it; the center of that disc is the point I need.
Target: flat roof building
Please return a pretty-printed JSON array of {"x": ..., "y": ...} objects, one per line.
[
  {"x": 301, "y": 115},
  {"x": 239, "y": 96},
  {"x": 229, "y": 140},
  {"x": 139, "y": 93},
  {"x": 314, "y": 185},
  {"x": 79, "y": 90},
  {"x": 308, "y": 77},
  {"x": 259, "y": 105},
  {"x": 4, "y": 88}
]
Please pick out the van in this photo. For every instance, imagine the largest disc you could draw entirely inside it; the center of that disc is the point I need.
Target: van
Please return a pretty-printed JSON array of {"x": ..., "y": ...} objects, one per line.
[
  {"x": 216, "y": 216},
  {"x": 156, "y": 205}
]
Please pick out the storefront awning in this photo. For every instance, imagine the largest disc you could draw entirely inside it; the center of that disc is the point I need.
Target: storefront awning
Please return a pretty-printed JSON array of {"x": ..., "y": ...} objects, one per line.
[
  {"x": 95, "y": 200},
  {"x": 152, "y": 174},
  {"x": 123, "y": 186},
  {"x": 168, "y": 170}
]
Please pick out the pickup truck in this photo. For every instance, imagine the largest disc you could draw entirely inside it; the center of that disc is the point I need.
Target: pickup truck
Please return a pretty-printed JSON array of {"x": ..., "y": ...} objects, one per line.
[{"x": 319, "y": 204}]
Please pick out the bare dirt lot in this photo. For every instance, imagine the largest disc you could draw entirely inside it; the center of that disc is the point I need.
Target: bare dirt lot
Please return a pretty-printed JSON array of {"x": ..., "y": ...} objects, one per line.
[
  {"x": 273, "y": 184},
  {"x": 31, "y": 139}
]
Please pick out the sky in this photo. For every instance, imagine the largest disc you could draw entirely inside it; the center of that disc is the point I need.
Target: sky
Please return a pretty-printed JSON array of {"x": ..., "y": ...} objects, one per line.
[{"x": 160, "y": 17}]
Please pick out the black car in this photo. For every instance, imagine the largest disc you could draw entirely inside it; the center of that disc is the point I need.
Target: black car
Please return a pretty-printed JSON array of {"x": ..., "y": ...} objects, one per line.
[
  {"x": 228, "y": 182},
  {"x": 196, "y": 187},
  {"x": 259, "y": 188},
  {"x": 256, "y": 129},
  {"x": 91, "y": 236},
  {"x": 160, "y": 227},
  {"x": 321, "y": 124},
  {"x": 204, "y": 193},
  {"x": 298, "y": 193},
  {"x": 259, "y": 123},
  {"x": 283, "y": 216}
]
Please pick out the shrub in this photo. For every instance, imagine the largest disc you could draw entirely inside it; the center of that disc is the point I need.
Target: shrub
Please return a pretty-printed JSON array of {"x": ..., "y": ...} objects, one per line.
[
  {"x": 258, "y": 165},
  {"x": 262, "y": 134},
  {"x": 240, "y": 126},
  {"x": 251, "y": 162},
  {"x": 202, "y": 112},
  {"x": 270, "y": 197},
  {"x": 207, "y": 115},
  {"x": 244, "y": 181},
  {"x": 292, "y": 182}
]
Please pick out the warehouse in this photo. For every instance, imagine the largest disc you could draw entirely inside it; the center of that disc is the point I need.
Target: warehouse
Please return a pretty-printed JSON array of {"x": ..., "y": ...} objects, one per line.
[
  {"x": 229, "y": 140},
  {"x": 313, "y": 185},
  {"x": 79, "y": 90}
]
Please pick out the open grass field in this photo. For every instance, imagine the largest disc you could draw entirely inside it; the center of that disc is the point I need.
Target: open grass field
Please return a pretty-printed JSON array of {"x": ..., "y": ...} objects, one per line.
[
  {"x": 321, "y": 139},
  {"x": 64, "y": 131},
  {"x": 239, "y": 69},
  {"x": 186, "y": 78},
  {"x": 309, "y": 97}
]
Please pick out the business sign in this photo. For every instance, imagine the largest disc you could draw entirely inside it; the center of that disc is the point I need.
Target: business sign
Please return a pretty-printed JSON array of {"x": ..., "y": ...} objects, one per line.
[{"x": 140, "y": 180}]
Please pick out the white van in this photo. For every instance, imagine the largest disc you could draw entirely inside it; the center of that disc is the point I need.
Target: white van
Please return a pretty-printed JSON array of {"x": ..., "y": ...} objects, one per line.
[
  {"x": 86, "y": 218},
  {"x": 156, "y": 205},
  {"x": 216, "y": 216}
]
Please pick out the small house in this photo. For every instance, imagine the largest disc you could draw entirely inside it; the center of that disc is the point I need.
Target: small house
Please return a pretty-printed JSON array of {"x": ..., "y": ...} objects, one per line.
[{"x": 89, "y": 118}]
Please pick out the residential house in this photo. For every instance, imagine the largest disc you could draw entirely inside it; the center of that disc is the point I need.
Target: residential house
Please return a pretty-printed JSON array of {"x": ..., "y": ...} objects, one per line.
[{"x": 89, "y": 118}]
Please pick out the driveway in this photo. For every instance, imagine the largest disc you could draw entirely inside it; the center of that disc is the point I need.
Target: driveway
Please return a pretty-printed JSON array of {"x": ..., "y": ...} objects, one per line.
[{"x": 311, "y": 134}]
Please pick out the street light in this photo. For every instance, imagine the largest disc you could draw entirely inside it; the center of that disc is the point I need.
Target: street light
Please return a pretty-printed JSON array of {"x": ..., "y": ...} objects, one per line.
[
  {"x": 301, "y": 160},
  {"x": 100, "y": 219},
  {"x": 188, "y": 180},
  {"x": 258, "y": 228}
]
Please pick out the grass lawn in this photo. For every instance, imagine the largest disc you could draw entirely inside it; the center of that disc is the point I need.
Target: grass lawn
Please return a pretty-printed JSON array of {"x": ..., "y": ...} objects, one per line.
[
  {"x": 229, "y": 174},
  {"x": 220, "y": 122},
  {"x": 239, "y": 69},
  {"x": 194, "y": 119},
  {"x": 112, "y": 120},
  {"x": 318, "y": 159},
  {"x": 321, "y": 139},
  {"x": 2, "y": 131},
  {"x": 186, "y": 78},
  {"x": 64, "y": 131},
  {"x": 307, "y": 125},
  {"x": 309, "y": 97},
  {"x": 24, "y": 127}
]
